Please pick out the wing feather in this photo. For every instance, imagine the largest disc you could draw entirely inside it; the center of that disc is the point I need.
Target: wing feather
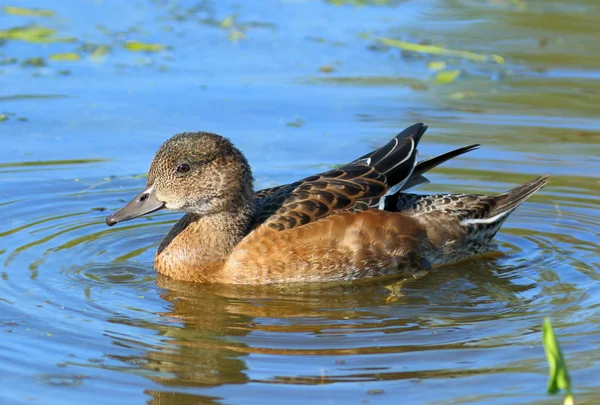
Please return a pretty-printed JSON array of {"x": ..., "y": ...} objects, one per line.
[{"x": 347, "y": 188}]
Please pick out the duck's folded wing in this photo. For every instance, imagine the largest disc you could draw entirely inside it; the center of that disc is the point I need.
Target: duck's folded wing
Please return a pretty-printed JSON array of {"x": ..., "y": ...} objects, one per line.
[
  {"x": 355, "y": 186},
  {"x": 396, "y": 159},
  {"x": 347, "y": 188},
  {"x": 267, "y": 192}
]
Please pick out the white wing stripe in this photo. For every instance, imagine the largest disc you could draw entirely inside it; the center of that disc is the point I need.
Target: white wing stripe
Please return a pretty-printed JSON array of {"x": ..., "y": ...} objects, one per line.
[
  {"x": 491, "y": 220},
  {"x": 391, "y": 150}
]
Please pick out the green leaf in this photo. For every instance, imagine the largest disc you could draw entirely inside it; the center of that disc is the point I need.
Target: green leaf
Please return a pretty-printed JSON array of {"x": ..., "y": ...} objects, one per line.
[
  {"x": 436, "y": 65},
  {"x": 228, "y": 21},
  {"x": 30, "y": 12},
  {"x": 558, "y": 375},
  {"x": 67, "y": 56},
  {"x": 136, "y": 46},
  {"x": 446, "y": 76},
  {"x": 438, "y": 50},
  {"x": 34, "y": 34}
]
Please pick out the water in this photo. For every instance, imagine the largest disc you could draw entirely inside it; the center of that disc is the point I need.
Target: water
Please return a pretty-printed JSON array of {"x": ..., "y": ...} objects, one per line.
[{"x": 298, "y": 86}]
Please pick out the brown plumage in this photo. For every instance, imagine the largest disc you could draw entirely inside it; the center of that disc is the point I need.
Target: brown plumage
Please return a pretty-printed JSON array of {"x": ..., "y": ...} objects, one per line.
[{"x": 348, "y": 223}]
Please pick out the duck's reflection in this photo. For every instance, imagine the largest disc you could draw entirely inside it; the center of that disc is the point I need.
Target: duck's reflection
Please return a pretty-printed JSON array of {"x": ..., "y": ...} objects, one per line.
[{"x": 215, "y": 329}]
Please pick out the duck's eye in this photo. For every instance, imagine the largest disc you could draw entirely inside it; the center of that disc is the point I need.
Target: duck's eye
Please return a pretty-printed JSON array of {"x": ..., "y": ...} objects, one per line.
[{"x": 183, "y": 168}]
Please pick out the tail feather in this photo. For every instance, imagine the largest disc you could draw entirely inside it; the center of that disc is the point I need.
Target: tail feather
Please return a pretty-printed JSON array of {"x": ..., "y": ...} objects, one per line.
[
  {"x": 490, "y": 212},
  {"x": 475, "y": 218},
  {"x": 507, "y": 202}
]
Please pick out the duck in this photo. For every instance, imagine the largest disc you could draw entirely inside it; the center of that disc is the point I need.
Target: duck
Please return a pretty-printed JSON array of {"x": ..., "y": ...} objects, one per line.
[{"x": 350, "y": 223}]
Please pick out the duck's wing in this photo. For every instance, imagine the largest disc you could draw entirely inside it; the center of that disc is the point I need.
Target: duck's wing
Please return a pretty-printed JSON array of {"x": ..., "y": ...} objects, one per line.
[
  {"x": 267, "y": 192},
  {"x": 348, "y": 188},
  {"x": 395, "y": 160},
  {"x": 401, "y": 171},
  {"x": 416, "y": 176},
  {"x": 355, "y": 186}
]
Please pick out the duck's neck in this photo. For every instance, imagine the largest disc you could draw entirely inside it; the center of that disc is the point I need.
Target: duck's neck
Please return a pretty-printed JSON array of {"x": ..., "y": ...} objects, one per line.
[{"x": 197, "y": 246}]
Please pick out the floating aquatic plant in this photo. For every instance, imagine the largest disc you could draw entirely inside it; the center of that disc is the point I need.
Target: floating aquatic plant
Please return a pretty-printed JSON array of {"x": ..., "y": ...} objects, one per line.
[
  {"x": 438, "y": 50},
  {"x": 136, "y": 46},
  {"x": 447, "y": 76},
  {"x": 29, "y": 12},
  {"x": 67, "y": 56},
  {"x": 33, "y": 33}
]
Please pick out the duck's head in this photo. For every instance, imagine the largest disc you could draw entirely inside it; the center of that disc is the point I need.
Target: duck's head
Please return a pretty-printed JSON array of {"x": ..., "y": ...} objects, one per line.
[{"x": 196, "y": 172}]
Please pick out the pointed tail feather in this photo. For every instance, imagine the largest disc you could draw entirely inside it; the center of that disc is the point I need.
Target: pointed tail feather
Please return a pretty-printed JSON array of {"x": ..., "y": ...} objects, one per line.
[
  {"x": 489, "y": 214},
  {"x": 507, "y": 202}
]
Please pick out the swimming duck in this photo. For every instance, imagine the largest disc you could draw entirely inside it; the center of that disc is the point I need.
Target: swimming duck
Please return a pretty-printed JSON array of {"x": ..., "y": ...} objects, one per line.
[{"x": 348, "y": 223}]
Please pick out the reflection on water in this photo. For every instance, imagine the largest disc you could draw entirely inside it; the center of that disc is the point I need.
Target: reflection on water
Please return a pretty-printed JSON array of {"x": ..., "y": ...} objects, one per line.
[{"x": 91, "y": 89}]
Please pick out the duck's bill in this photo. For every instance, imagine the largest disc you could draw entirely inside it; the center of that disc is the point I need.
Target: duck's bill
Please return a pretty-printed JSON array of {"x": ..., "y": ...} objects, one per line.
[{"x": 145, "y": 203}]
